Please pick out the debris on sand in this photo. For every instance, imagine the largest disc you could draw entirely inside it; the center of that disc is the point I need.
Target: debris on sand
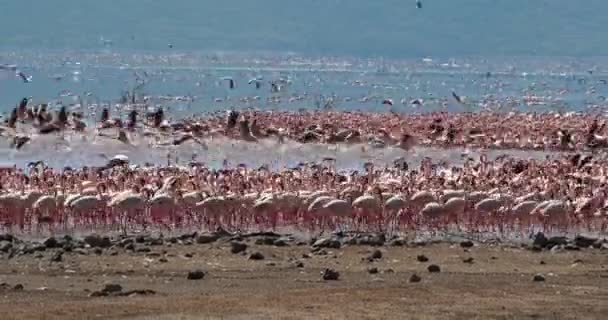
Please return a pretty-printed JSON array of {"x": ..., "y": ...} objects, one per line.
[
  {"x": 538, "y": 278},
  {"x": 196, "y": 275},
  {"x": 376, "y": 255},
  {"x": 468, "y": 260},
  {"x": 256, "y": 256},
  {"x": 414, "y": 278},
  {"x": 422, "y": 258},
  {"x": 466, "y": 244},
  {"x": 327, "y": 243},
  {"x": 237, "y": 247},
  {"x": 434, "y": 268},
  {"x": 330, "y": 275},
  {"x": 97, "y": 241},
  {"x": 373, "y": 270}
]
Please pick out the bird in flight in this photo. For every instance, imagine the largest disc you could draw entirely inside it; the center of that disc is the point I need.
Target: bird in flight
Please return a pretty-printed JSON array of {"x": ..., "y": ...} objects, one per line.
[{"x": 19, "y": 73}]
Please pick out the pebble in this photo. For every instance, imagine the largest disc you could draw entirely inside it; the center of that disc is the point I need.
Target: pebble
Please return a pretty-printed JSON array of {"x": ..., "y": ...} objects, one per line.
[
  {"x": 468, "y": 260},
  {"x": 196, "y": 275},
  {"x": 434, "y": 268},
  {"x": 330, "y": 275},
  {"x": 256, "y": 256},
  {"x": 466, "y": 244},
  {"x": 415, "y": 278},
  {"x": 538, "y": 278},
  {"x": 376, "y": 255},
  {"x": 373, "y": 270},
  {"x": 422, "y": 258},
  {"x": 237, "y": 247},
  {"x": 206, "y": 238},
  {"x": 18, "y": 287}
]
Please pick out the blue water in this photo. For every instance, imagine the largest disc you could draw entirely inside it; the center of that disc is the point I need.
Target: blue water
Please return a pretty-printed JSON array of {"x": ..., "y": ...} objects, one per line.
[{"x": 75, "y": 47}]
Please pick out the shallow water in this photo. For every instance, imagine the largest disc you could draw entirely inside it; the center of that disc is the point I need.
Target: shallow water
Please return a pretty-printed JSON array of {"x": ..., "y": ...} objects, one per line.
[{"x": 347, "y": 55}]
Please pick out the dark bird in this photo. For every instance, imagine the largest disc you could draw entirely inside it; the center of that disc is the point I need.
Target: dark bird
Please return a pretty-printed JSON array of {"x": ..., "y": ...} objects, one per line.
[
  {"x": 418, "y": 4},
  {"x": 457, "y": 97},
  {"x": 388, "y": 102},
  {"x": 105, "y": 115},
  {"x": 19, "y": 141},
  {"x": 49, "y": 128},
  {"x": 232, "y": 119}
]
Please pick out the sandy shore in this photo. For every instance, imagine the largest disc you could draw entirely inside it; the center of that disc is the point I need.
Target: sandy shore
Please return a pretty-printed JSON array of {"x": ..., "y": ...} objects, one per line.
[{"x": 66, "y": 279}]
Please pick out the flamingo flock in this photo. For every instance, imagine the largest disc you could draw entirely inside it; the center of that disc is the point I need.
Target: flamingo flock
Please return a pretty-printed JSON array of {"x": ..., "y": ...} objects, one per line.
[{"x": 506, "y": 194}]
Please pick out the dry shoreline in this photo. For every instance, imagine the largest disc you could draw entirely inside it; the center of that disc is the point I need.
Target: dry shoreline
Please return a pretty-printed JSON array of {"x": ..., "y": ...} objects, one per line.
[{"x": 485, "y": 281}]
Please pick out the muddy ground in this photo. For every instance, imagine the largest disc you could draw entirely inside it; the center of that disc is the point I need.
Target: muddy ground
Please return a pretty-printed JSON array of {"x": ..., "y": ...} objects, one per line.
[{"x": 68, "y": 279}]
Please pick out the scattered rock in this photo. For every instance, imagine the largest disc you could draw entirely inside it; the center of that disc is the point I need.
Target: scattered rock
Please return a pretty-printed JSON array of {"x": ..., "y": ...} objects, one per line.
[
  {"x": 98, "y": 294},
  {"x": 206, "y": 238},
  {"x": 570, "y": 247},
  {"x": 271, "y": 264},
  {"x": 584, "y": 242},
  {"x": 415, "y": 278},
  {"x": 373, "y": 270},
  {"x": 51, "y": 243},
  {"x": 267, "y": 241},
  {"x": 140, "y": 239},
  {"x": 540, "y": 240},
  {"x": 143, "y": 250},
  {"x": 320, "y": 252},
  {"x": 18, "y": 287},
  {"x": 493, "y": 258},
  {"x": 389, "y": 270},
  {"x": 330, "y": 274},
  {"x": 376, "y": 255},
  {"x": 57, "y": 256},
  {"x": 156, "y": 242},
  {"x": 187, "y": 236},
  {"x": 542, "y": 262},
  {"x": 434, "y": 268},
  {"x": 97, "y": 241},
  {"x": 256, "y": 256},
  {"x": 422, "y": 258},
  {"x": 196, "y": 275},
  {"x": 111, "y": 288},
  {"x": 327, "y": 243},
  {"x": 188, "y": 255},
  {"x": 397, "y": 242},
  {"x": 237, "y": 247},
  {"x": 555, "y": 241},
  {"x": 280, "y": 243},
  {"x": 468, "y": 260},
  {"x": 466, "y": 244},
  {"x": 538, "y": 278},
  {"x": 375, "y": 240},
  {"x": 7, "y": 237},
  {"x": 163, "y": 260},
  {"x": 153, "y": 255},
  {"x": 299, "y": 264},
  {"x": 130, "y": 246},
  {"x": 97, "y": 251},
  {"x": 305, "y": 256},
  {"x": 129, "y": 293},
  {"x": 5, "y": 246}
]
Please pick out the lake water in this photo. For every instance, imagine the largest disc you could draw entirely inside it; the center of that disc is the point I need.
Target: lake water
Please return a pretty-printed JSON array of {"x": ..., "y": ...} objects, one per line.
[{"x": 351, "y": 54}]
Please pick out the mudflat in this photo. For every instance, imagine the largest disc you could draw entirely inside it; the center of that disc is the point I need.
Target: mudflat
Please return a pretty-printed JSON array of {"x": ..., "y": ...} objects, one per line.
[{"x": 273, "y": 277}]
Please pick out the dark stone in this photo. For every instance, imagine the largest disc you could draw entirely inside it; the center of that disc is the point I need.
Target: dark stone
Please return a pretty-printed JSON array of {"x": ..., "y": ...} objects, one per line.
[
  {"x": 256, "y": 256},
  {"x": 97, "y": 241},
  {"x": 415, "y": 278},
  {"x": 144, "y": 292},
  {"x": 468, "y": 260},
  {"x": 98, "y": 294},
  {"x": 5, "y": 246},
  {"x": 327, "y": 243},
  {"x": 153, "y": 255},
  {"x": 51, "y": 243},
  {"x": 237, "y": 247},
  {"x": 466, "y": 244},
  {"x": 280, "y": 243},
  {"x": 434, "y": 268},
  {"x": 538, "y": 278},
  {"x": 422, "y": 258},
  {"x": 556, "y": 241},
  {"x": 373, "y": 270},
  {"x": 163, "y": 260},
  {"x": 196, "y": 275},
  {"x": 130, "y": 246},
  {"x": 299, "y": 264},
  {"x": 18, "y": 287},
  {"x": 540, "y": 240},
  {"x": 140, "y": 239},
  {"x": 570, "y": 247},
  {"x": 206, "y": 238},
  {"x": 143, "y": 250},
  {"x": 97, "y": 251},
  {"x": 397, "y": 243},
  {"x": 156, "y": 242},
  {"x": 187, "y": 236},
  {"x": 542, "y": 262},
  {"x": 111, "y": 288},
  {"x": 584, "y": 242},
  {"x": 7, "y": 237},
  {"x": 376, "y": 255},
  {"x": 305, "y": 256},
  {"x": 330, "y": 275},
  {"x": 57, "y": 256},
  {"x": 376, "y": 240}
]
